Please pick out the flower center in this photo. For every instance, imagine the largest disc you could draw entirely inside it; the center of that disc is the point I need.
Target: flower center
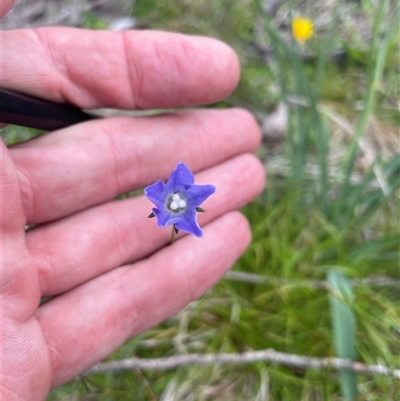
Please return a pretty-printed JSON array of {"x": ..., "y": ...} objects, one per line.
[{"x": 176, "y": 203}]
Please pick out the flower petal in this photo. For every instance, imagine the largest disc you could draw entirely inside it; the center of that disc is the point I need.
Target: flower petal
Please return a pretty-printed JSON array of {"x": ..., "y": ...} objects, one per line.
[
  {"x": 156, "y": 194},
  {"x": 178, "y": 178},
  {"x": 197, "y": 194},
  {"x": 188, "y": 223}
]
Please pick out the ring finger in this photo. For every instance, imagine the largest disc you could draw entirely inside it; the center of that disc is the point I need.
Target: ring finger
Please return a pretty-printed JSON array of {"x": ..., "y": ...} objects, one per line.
[{"x": 80, "y": 247}]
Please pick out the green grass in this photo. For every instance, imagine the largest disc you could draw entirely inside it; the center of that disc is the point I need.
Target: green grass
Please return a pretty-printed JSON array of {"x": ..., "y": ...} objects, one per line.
[{"x": 323, "y": 210}]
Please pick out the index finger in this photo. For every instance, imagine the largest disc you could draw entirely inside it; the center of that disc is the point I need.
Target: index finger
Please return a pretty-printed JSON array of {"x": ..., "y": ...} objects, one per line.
[{"x": 131, "y": 69}]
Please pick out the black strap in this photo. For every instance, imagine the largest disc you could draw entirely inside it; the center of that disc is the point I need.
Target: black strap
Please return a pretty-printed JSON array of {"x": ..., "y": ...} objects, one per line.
[{"x": 29, "y": 111}]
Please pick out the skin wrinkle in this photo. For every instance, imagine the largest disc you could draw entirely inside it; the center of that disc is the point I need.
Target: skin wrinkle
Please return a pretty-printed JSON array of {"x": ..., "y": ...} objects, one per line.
[
  {"x": 116, "y": 157},
  {"x": 141, "y": 157},
  {"x": 8, "y": 392},
  {"x": 70, "y": 88},
  {"x": 14, "y": 76},
  {"x": 187, "y": 49},
  {"x": 26, "y": 190},
  {"x": 118, "y": 235},
  {"x": 45, "y": 268},
  {"x": 56, "y": 359},
  {"x": 130, "y": 319},
  {"x": 138, "y": 92},
  {"x": 58, "y": 322},
  {"x": 10, "y": 380},
  {"x": 22, "y": 287},
  {"x": 133, "y": 312},
  {"x": 138, "y": 241},
  {"x": 189, "y": 287},
  {"x": 110, "y": 70},
  {"x": 61, "y": 76},
  {"x": 179, "y": 72},
  {"x": 201, "y": 136},
  {"x": 158, "y": 59},
  {"x": 11, "y": 185},
  {"x": 33, "y": 351}
]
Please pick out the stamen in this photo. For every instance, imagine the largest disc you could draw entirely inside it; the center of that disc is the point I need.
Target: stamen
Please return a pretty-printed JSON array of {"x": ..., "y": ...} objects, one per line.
[
  {"x": 176, "y": 197},
  {"x": 174, "y": 205},
  {"x": 177, "y": 202}
]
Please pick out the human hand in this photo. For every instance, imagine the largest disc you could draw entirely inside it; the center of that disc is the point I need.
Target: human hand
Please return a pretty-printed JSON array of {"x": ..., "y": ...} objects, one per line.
[{"x": 104, "y": 264}]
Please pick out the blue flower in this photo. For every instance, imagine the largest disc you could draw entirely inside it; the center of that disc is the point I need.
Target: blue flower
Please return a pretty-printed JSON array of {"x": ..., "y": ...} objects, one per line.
[{"x": 178, "y": 200}]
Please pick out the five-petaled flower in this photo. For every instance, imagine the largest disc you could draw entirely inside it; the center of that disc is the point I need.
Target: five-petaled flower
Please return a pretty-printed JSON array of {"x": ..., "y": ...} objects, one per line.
[{"x": 178, "y": 200}]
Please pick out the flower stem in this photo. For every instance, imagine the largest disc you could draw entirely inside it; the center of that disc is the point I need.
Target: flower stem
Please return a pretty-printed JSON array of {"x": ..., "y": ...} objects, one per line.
[{"x": 173, "y": 235}]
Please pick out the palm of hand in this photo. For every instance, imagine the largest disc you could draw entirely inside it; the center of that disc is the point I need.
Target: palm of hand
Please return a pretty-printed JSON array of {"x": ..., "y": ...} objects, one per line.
[{"x": 102, "y": 262}]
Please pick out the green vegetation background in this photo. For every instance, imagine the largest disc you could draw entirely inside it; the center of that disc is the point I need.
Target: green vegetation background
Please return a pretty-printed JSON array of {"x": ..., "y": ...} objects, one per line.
[{"x": 326, "y": 206}]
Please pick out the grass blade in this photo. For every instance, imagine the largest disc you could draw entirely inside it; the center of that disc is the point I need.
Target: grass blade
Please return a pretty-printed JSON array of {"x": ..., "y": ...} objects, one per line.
[
  {"x": 378, "y": 57},
  {"x": 343, "y": 323}
]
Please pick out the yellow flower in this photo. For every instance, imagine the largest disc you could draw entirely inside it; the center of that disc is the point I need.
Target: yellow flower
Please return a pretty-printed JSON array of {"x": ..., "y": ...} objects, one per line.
[{"x": 302, "y": 28}]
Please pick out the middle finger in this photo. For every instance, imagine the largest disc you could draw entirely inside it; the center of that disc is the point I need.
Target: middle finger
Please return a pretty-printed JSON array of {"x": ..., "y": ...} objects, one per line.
[{"x": 81, "y": 166}]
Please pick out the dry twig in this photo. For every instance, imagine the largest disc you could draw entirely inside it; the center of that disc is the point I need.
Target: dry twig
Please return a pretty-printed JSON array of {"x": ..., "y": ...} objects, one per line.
[{"x": 268, "y": 355}]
